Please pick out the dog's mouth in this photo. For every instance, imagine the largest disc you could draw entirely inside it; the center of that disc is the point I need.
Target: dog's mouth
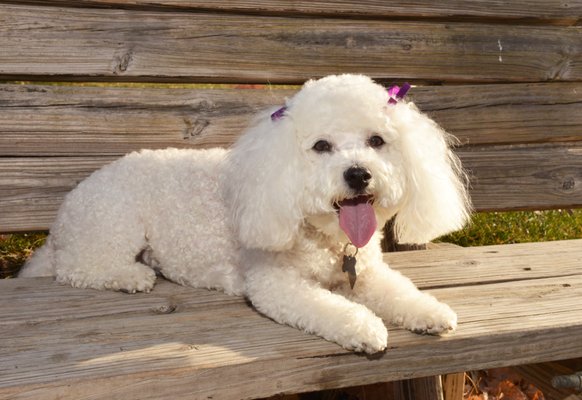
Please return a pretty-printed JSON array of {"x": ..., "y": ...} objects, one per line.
[{"x": 357, "y": 218}]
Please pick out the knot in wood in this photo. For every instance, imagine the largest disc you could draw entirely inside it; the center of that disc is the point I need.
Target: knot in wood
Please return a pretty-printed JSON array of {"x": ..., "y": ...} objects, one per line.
[
  {"x": 165, "y": 309},
  {"x": 194, "y": 128},
  {"x": 122, "y": 62},
  {"x": 568, "y": 183}
]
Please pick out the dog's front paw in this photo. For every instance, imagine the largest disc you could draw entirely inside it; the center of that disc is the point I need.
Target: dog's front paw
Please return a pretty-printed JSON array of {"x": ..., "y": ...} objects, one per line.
[
  {"x": 429, "y": 316},
  {"x": 367, "y": 334}
]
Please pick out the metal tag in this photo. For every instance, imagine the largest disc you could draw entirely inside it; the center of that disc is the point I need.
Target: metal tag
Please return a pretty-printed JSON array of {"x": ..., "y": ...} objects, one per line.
[{"x": 349, "y": 266}]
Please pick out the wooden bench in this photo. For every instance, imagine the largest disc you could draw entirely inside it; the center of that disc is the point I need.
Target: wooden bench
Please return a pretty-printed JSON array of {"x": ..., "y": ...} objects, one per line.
[{"x": 506, "y": 79}]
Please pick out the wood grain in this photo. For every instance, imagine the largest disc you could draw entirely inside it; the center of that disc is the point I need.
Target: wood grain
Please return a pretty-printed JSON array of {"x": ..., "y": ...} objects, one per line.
[
  {"x": 533, "y": 9},
  {"x": 80, "y": 344},
  {"x": 502, "y": 178},
  {"x": 429, "y": 387},
  {"x": 69, "y": 120},
  {"x": 40, "y": 120},
  {"x": 454, "y": 386},
  {"x": 524, "y": 177},
  {"x": 522, "y": 262},
  {"x": 128, "y": 45},
  {"x": 33, "y": 188}
]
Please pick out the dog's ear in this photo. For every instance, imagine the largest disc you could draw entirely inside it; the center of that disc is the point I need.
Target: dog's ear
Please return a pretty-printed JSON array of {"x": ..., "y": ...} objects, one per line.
[
  {"x": 436, "y": 200},
  {"x": 264, "y": 184}
]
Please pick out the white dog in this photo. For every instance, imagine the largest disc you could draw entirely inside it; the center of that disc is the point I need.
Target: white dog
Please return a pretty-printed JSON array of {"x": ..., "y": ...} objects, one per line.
[{"x": 298, "y": 200}]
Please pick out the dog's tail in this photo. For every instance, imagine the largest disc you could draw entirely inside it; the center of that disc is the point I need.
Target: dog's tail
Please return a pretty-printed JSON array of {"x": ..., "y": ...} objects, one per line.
[{"x": 42, "y": 262}]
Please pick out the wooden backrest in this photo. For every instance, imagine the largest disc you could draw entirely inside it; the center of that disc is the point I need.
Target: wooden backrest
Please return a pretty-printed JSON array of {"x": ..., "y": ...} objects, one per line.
[{"x": 506, "y": 79}]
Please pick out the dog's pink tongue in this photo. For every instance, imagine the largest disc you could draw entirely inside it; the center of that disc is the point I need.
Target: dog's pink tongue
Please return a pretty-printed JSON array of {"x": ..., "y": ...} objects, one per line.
[{"x": 357, "y": 220}]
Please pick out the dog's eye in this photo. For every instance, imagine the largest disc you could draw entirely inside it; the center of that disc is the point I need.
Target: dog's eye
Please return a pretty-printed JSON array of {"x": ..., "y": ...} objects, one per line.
[
  {"x": 376, "y": 141},
  {"x": 322, "y": 146}
]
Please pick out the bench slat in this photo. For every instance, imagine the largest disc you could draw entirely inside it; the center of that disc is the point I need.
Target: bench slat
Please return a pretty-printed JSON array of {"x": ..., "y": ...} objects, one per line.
[
  {"x": 84, "y": 343},
  {"x": 502, "y": 178},
  {"x": 73, "y": 120},
  {"x": 549, "y": 9},
  {"x": 522, "y": 262},
  {"x": 524, "y": 177},
  {"x": 129, "y": 45}
]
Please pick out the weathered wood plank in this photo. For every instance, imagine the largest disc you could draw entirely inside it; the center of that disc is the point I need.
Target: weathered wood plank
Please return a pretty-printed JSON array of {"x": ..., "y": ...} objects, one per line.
[
  {"x": 524, "y": 177},
  {"x": 536, "y": 9},
  {"x": 129, "y": 45},
  {"x": 71, "y": 120},
  {"x": 429, "y": 388},
  {"x": 453, "y": 386},
  {"x": 99, "y": 352},
  {"x": 33, "y": 189},
  {"x": 502, "y": 178},
  {"x": 505, "y": 114},
  {"x": 527, "y": 261}
]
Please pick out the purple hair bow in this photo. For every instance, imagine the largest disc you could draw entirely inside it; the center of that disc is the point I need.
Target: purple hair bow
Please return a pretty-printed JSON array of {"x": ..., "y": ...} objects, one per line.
[
  {"x": 397, "y": 93},
  {"x": 277, "y": 115}
]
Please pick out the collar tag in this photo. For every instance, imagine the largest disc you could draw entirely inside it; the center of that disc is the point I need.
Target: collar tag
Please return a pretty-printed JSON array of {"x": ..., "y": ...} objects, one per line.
[{"x": 349, "y": 263}]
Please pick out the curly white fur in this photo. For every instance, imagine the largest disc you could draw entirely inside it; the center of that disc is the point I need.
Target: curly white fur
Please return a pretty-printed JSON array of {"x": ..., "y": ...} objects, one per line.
[{"x": 261, "y": 219}]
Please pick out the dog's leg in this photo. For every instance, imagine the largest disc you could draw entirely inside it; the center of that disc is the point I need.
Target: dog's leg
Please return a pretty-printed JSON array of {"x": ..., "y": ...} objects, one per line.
[
  {"x": 103, "y": 261},
  {"x": 396, "y": 299},
  {"x": 129, "y": 278},
  {"x": 114, "y": 269},
  {"x": 283, "y": 295},
  {"x": 98, "y": 235}
]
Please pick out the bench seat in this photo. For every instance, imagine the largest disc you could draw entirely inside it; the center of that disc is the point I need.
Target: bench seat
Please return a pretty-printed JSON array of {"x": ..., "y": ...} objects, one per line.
[{"x": 517, "y": 304}]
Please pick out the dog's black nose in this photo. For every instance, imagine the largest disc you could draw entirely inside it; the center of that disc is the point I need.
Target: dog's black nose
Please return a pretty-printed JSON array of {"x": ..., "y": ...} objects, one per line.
[{"x": 357, "y": 178}]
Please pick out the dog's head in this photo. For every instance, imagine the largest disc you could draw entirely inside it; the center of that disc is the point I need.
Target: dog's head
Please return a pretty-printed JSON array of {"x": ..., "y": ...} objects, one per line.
[{"x": 345, "y": 158}]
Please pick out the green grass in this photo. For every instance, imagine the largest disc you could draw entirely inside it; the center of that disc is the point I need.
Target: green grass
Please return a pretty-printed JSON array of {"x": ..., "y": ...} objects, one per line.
[
  {"x": 485, "y": 229},
  {"x": 15, "y": 249},
  {"x": 519, "y": 227}
]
